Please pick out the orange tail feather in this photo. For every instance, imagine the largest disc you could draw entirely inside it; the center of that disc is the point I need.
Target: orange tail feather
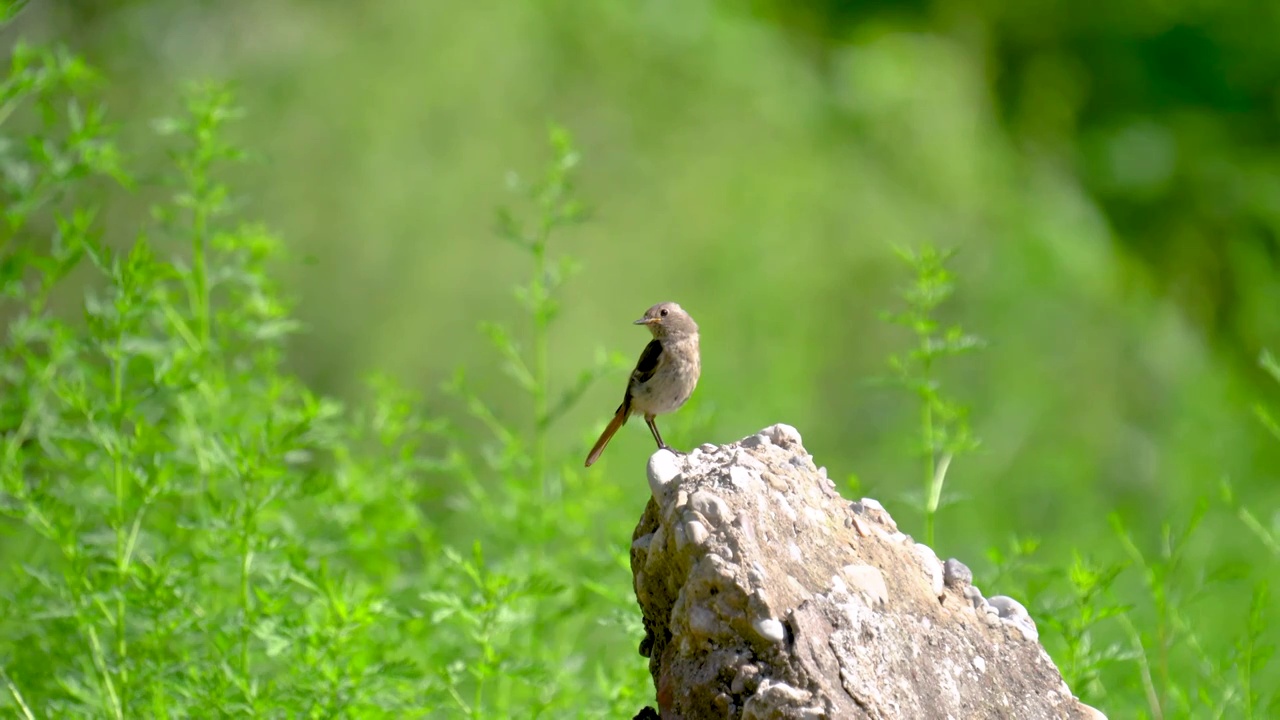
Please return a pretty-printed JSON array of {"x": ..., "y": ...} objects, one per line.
[{"x": 619, "y": 419}]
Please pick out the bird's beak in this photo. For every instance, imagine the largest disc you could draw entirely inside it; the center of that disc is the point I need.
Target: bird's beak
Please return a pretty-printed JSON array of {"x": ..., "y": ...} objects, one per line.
[{"x": 643, "y": 321}]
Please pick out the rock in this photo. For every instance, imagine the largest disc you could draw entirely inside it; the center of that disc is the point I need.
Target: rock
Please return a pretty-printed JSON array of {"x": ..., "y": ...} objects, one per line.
[
  {"x": 765, "y": 594},
  {"x": 929, "y": 561},
  {"x": 1011, "y": 611},
  {"x": 664, "y": 469},
  {"x": 867, "y": 580},
  {"x": 956, "y": 573},
  {"x": 770, "y": 629}
]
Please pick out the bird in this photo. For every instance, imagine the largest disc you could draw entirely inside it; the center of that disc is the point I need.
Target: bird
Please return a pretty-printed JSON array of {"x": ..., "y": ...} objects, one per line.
[{"x": 665, "y": 375}]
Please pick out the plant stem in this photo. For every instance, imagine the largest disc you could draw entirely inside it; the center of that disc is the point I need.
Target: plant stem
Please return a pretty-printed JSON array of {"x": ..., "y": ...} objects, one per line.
[
  {"x": 17, "y": 697},
  {"x": 541, "y": 364},
  {"x": 246, "y": 586},
  {"x": 930, "y": 508},
  {"x": 100, "y": 660},
  {"x": 117, "y": 465},
  {"x": 199, "y": 271}
]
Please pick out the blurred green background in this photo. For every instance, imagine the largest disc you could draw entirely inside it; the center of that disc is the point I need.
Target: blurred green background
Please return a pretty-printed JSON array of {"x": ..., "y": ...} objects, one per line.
[{"x": 1110, "y": 176}]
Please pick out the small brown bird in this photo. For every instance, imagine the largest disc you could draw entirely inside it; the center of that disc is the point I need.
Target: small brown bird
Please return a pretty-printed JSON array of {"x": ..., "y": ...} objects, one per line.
[{"x": 665, "y": 375}]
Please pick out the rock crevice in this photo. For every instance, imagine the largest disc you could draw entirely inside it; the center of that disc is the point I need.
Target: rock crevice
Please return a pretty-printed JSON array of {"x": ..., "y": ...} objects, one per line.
[{"x": 765, "y": 594}]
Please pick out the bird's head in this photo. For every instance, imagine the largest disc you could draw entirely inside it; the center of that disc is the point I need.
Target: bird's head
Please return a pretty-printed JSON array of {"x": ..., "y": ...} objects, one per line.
[{"x": 667, "y": 319}]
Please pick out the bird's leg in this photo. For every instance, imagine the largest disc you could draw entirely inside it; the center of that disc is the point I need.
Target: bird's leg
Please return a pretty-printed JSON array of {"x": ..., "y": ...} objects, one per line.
[{"x": 653, "y": 428}]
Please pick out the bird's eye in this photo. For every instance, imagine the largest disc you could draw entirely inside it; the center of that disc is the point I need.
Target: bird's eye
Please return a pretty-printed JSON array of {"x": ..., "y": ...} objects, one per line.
[{"x": 664, "y": 312}]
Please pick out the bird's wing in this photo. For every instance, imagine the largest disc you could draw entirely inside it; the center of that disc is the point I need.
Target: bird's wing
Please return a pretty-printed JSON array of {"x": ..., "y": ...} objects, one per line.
[
  {"x": 650, "y": 360},
  {"x": 648, "y": 363}
]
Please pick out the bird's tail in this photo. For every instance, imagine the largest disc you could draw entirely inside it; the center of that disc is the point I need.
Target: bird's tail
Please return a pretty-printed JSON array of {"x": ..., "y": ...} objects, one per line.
[{"x": 619, "y": 419}]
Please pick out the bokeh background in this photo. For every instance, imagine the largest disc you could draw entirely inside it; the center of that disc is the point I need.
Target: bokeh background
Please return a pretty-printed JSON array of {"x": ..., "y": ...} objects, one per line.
[{"x": 1109, "y": 176}]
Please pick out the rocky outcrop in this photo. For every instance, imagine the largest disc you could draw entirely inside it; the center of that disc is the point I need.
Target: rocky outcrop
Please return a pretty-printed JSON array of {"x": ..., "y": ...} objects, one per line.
[{"x": 766, "y": 594}]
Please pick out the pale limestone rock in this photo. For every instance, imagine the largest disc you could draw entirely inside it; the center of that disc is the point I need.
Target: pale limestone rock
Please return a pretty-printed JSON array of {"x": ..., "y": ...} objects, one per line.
[{"x": 765, "y": 594}]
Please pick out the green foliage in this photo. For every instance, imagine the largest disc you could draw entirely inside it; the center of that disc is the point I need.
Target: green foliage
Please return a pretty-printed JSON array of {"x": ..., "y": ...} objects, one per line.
[
  {"x": 533, "y": 511},
  {"x": 1153, "y": 654},
  {"x": 490, "y": 609},
  {"x": 173, "y": 489},
  {"x": 1070, "y": 605},
  {"x": 1104, "y": 653},
  {"x": 188, "y": 529},
  {"x": 944, "y": 422},
  {"x": 1158, "y": 116},
  {"x": 552, "y": 198},
  {"x": 9, "y": 10}
]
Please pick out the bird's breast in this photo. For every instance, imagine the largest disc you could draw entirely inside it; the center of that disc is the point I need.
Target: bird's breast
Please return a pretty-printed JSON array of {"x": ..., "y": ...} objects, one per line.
[{"x": 673, "y": 382}]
